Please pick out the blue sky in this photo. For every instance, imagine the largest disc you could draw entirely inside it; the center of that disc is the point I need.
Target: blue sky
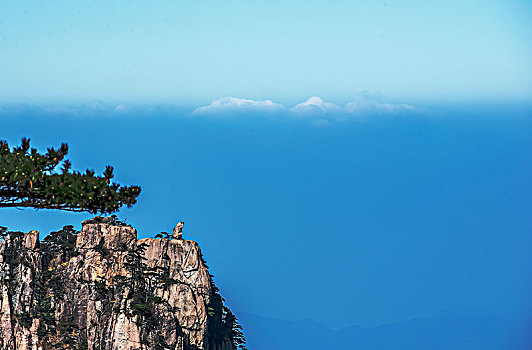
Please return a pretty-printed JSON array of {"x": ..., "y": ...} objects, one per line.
[
  {"x": 353, "y": 162},
  {"x": 191, "y": 52}
]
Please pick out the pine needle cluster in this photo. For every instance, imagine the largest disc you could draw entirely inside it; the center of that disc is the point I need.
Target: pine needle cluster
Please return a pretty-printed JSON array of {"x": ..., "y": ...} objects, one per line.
[{"x": 31, "y": 179}]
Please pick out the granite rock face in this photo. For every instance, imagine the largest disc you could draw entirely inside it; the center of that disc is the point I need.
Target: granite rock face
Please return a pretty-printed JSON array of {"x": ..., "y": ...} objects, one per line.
[{"x": 102, "y": 288}]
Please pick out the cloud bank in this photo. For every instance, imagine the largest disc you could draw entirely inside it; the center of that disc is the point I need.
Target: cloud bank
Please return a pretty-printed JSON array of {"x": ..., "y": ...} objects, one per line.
[
  {"x": 315, "y": 105},
  {"x": 363, "y": 104},
  {"x": 235, "y": 104},
  {"x": 315, "y": 109}
]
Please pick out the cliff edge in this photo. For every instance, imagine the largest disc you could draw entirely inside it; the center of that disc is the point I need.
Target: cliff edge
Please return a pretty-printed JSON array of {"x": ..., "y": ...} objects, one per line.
[{"x": 102, "y": 288}]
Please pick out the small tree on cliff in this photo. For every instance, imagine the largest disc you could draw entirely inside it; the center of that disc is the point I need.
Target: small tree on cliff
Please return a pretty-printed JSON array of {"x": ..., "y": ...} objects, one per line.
[{"x": 30, "y": 179}]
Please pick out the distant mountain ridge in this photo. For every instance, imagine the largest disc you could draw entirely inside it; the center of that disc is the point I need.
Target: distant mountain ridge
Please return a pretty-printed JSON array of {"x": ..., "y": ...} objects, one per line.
[{"x": 450, "y": 331}]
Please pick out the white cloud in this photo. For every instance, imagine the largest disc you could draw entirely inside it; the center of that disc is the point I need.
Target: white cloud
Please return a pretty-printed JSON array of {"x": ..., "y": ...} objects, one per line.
[
  {"x": 233, "y": 104},
  {"x": 122, "y": 108},
  {"x": 360, "y": 107},
  {"x": 315, "y": 108},
  {"x": 97, "y": 105},
  {"x": 315, "y": 105},
  {"x": 366, "y": 102}
]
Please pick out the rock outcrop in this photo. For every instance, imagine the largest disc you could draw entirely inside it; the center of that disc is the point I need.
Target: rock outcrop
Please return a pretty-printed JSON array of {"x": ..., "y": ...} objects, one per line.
[{"x": 102, "y": 288}]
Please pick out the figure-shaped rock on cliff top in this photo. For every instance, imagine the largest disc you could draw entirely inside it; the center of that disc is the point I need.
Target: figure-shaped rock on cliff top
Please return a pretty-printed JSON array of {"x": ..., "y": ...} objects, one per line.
[{"x": 178, "y": 230}]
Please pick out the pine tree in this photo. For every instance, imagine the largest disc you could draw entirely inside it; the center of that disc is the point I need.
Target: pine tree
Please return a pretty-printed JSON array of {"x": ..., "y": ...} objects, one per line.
[{"x": 30, "y": 179}]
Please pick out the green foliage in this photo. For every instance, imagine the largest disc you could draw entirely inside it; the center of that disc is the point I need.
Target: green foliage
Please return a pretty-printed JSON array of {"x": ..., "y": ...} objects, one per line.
[
  {"x": 31, "y": 179},
  {"x": 221, "y": 322},
  {"x": 236, "y": 333},
  {"x": 66, "y": 329},
  {"x": 12, "y": 249},
  {"x": 102, "y": 250},
  {"x": 46, "y": 286},
  {"x": 57, "y": 249},
  {"x": 143, "y": 301},
  {"x": 3, "y": 231},
  {"x": 60, "y": 243},
  {"x": 110, "y": 220},
  {"x": 25, "y": 319}
]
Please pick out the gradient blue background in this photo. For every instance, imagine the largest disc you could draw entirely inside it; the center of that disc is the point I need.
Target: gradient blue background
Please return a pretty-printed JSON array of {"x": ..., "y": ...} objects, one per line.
[
  {"x": 401, "y": 222},
  {"x": 195, "y": 51}
]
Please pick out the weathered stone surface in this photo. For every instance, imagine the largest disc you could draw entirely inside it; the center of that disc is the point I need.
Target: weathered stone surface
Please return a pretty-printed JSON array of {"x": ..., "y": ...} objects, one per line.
[
  {"x": 19, "y": 262},
  {"x": 97, "y": 294}
]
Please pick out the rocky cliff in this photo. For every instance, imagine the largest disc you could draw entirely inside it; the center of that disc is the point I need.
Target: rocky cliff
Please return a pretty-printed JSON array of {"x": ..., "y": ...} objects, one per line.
[{"x": 102, "y": 288}]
